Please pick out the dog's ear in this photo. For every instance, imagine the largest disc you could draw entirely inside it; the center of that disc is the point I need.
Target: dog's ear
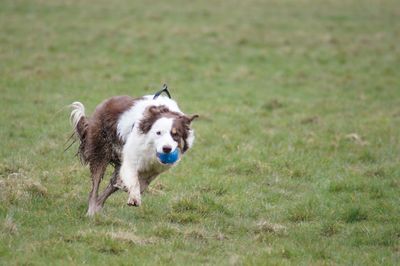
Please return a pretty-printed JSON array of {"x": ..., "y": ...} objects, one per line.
[
  {"x": 154, "y": 110},
  {"x": 188, "y": 119},
  {"x": 192, "y": 117}
]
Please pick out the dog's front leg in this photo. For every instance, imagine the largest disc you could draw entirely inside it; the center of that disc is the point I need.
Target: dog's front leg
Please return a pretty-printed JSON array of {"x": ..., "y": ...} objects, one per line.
[
  {"x": 145, "y": 182},
  {"x": 130, "y": 178}
]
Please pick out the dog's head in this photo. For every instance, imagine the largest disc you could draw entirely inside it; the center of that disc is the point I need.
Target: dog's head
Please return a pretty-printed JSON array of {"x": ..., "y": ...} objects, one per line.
[{"x": 167, "y": 130}]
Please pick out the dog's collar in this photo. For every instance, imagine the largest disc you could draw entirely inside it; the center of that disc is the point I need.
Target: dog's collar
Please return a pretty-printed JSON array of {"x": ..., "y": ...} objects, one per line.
[{"x": 164, "y": 89}]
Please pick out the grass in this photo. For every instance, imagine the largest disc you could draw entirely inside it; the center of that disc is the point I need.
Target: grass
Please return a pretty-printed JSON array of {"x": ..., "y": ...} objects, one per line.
[{"x": 296, "y": 160}]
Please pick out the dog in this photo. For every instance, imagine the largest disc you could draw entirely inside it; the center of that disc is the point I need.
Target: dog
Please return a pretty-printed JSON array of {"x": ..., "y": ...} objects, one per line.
[{"x": 128, "y": 133}]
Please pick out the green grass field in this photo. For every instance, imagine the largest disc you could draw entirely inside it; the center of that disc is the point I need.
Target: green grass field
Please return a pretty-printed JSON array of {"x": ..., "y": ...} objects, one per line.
[{"x": 296, "y": 160}]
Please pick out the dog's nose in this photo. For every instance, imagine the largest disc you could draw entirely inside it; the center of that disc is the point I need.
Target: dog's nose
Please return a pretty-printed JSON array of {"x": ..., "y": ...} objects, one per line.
[{"x": 166, "y": 149}]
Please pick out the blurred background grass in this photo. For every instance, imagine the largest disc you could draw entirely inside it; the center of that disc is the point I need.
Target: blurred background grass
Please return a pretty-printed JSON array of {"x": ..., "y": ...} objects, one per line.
[{"x": 297, "y": 150}]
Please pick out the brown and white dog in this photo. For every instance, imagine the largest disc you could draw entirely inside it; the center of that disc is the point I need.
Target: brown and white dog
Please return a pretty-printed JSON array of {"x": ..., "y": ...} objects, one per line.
[{"x": 127, "y": 133}]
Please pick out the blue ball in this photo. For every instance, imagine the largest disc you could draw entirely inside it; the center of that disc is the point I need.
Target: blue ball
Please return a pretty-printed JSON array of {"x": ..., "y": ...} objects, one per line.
[{"x": 169, "y": 158}]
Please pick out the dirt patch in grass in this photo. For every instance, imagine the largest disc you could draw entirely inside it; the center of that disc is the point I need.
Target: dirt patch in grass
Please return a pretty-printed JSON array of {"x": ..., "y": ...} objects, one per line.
[
  {"x": 112, "y": 242},
  {"x": 330, "y": 228},
  {"x": 264, "y": 226},
  {"x": 131, "y": 238},
  {"x": 273, "y": 105},
  {"x": 9, "y": 226},
  {"x": 17, "y": 187}
]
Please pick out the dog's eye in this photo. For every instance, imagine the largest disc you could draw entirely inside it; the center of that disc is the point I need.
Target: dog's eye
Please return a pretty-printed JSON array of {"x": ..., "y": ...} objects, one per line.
[{"x": 158, "y": 133}]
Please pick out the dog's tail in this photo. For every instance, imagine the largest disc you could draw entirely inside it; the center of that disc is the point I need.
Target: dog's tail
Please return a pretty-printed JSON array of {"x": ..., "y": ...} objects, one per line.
[{"x": 80, "y": 125}]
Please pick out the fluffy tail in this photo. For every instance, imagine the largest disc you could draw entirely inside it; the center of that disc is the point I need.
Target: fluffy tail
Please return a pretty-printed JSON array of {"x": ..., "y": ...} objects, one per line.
[{"x": 80, "y": 126}]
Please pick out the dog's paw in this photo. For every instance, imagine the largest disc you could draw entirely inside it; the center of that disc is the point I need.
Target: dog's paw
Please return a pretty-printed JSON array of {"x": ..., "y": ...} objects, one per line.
[
  {"x": 93, "y": 209},
  {"x": 134, "y": 201}
]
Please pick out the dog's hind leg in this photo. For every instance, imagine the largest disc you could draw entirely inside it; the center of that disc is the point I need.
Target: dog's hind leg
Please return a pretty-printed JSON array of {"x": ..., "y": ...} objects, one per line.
[
  {"x": 97, "y": 171},
  {"x": 110, "y": 189}
]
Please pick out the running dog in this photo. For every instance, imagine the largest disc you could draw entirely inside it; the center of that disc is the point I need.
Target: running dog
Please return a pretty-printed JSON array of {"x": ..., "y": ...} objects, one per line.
[{"x": 128, "y": 133}]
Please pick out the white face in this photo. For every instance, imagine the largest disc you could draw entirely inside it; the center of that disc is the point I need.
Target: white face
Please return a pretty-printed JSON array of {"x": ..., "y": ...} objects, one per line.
[{"x": 161, "y": 134}]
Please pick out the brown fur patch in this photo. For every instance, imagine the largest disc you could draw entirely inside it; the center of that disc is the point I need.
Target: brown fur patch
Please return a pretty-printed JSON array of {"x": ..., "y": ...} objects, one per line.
[
  {"x": 181, "y": 126},
  {"x": 152, "y": 114},
  {"x": 101, "y": 144}
]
